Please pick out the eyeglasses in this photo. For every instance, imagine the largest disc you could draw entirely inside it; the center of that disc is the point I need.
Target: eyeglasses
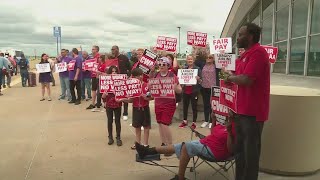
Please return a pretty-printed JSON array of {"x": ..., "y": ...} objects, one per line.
[{"x": 162, "y": 64}]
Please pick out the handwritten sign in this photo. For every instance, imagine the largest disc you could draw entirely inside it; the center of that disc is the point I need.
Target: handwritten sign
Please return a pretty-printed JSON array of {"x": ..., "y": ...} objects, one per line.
[
  {"x": 162, "y": 87},
  {"x": 227, "y": 61},
  {"x": 88, "y": 64},
  {"x": 221, "y": 45},
  {"x": 228, "y": 95},
  {"x": 166, "y": 43},
  {"x": 106, "y": 82},
  {"x": 43, "y": 68},
  {"x": 220, "y": 111},
  {"x": 272, "y": 53},
  {"x": 71, "y": 65},
  {"x": 61, "y": 67},
  {"x": 197, "y": 38},
  {"x": 147, "y": 61},
  {"x": 128, "y": 88},
  {"x": 187, "y": 76}
]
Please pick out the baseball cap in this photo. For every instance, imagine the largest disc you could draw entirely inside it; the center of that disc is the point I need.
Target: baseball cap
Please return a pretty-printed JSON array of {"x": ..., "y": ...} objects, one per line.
[{"x": 165, "y": 60}]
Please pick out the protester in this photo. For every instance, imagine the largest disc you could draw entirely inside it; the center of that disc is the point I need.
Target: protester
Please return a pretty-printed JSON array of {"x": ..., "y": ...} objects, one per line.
[
  {"x": 113, "y": 109},
  {"x": 64, "y": 76},
  {"x": 124, "y": 68},
  {"x": 74, "y": 67},
  {"x": 165, "y": 107},
  {"x": 252, "y": 75},
  {"x": 219, "y": 145},
  {"x": 140, "y": 110},
  {"x": 94, "y": 80},
  {"x": 45, "y": 78},
  {"x": 24, "y": 67},
  {"x": 3, "y": 64},
  {"x": 16, "y": 68},
  {"x": 101, "y": 69},
  {"x": 7, "y": 73},
  {"x": 209, "y": 79},
  {"x": 190, "y": 93},
  {"x": 241, "y": 51},
  {"x": 174, "y": 65},
  {"x": 52, "y": 62},
  {"x": 86, "y": 79}
]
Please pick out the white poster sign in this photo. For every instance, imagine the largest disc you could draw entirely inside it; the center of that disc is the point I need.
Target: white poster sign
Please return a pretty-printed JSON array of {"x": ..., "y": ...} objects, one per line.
[
  {"x": 61, "y": 67},
  {"x": 226, "y": 61},
  {"x": 43, "y": 68},
  {"x": 187, "y": 76},
  {"x": 221, "y": 45}
]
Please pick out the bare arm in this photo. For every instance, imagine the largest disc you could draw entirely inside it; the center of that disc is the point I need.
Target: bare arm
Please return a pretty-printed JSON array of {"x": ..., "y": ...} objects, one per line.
[{"x": 240, "y": 80}]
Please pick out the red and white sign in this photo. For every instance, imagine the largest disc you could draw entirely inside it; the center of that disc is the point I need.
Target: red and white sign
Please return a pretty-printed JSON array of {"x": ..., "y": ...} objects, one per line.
[
  {"x": 61, "y": 67},
  {"x": 88, "y": 64},
  {"x": 112, "y": 62},
  {"x": 128, "y": 88},
  {"x": 43, "y": 68},
  {"x": 228, "y": 95},
  {"x": 162, "y": 87},
  {"x": 220, "y": 111},
  {"x": 71, "y": 65},
  {"x": 187, "y": 76},
  {"x": 272, "y": 53},
  {"x": 221, "y": 45},
  {"x": 147, "y": 61},
  {"x": 197, "y": 38},
  {"x": 166, "y": 43},
  {"x": 106, "y": 82},
  {"x": 226, "y": 61}
]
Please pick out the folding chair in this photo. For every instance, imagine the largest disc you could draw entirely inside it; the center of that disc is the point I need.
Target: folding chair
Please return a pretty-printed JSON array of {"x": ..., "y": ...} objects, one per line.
[{"x": 221, "y": 165}]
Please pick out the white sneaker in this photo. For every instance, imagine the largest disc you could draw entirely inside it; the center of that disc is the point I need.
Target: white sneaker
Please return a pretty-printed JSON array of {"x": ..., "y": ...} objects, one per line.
[
  {"x": 205, "y": 124},
  {"x": 142, "y": 128},
  {"x": 210, "y": 125},
  {"x": 130, "y": 124},
  {"x": 125, "y": 118},
  {"x": 95, "y": 110}
]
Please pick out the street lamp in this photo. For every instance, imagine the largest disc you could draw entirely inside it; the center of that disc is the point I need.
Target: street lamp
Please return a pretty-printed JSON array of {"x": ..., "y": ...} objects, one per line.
[{"x": 179, "y": 39}]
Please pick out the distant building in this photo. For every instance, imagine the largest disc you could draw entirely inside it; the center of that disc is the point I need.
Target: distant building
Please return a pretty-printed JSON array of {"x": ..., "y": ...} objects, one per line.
[{"x": 291, "y": 25}]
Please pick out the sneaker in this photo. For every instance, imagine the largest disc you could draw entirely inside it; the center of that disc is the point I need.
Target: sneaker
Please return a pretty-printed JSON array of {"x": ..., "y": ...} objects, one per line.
[
  {"x": 71, "y": 102},
  {"x": 4, "y": 86},
  {"x": 125, "y": 118},
  {"x": 9, "y": 86},
  {"x": 143, "y": 150},
  {"x": 119, "y": 142},
  {"x": 193, "y": 126},
  {"x": 205, "y": 124},
  {"x": 77, "y": 103},
  {"x": 42, "y": 99},
  {"x": 49, "y": 99},
  {"x": 183, "y": 124},
  {"x": 111, "y": 141},
  {"x": 210, "y": 125},
  {"x": 95, "y": 109},
  {"x": 176, "y": 177},
  {"x": 61, "y": 98},
  {"x": 90, "y": 106}
]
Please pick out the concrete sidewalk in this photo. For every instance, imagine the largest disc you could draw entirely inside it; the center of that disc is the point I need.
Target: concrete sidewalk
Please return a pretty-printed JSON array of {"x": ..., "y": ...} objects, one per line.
[{"x": 58, "y": 141}]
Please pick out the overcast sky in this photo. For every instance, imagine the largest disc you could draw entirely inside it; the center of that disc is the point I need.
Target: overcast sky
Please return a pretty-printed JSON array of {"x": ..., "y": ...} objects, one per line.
[{"x": 28, "y": 24}]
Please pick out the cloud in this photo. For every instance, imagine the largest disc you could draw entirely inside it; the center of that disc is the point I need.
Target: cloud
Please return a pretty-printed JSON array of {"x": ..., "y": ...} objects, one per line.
[{"x": 129, "y": 24}]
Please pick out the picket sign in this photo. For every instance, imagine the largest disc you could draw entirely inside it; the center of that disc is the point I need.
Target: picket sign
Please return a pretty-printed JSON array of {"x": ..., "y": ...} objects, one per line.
[
  {"x": 147, "y": 61},
  {"x": 228, "y": 95},
  {"x": 106, "y": 82},
  {"x": 61, "y": 67},
  {"x": 272, "y": 53},
  {"x": 88, "y": 64},
  {"x": 221, "y": 45},
  {"x": 43, "y": 68},
  {"x": 198, "y": 39},
  {"x": 226, "y": 61},
  {"x": 162, "y": 87},
  {"x": 166, "y": 44},
  {"x": 187, "y": 76},
  {"x": 128, "y": 88},
  {"x": 220, "y": 110}
]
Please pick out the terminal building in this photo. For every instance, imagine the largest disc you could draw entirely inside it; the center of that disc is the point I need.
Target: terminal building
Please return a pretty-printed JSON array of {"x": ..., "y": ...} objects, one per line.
[{"x": 291, "y": 25}]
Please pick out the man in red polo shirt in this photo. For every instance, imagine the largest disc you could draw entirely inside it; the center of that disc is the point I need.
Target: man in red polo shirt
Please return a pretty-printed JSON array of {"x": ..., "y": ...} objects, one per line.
[{"x": 253, "y": 78}]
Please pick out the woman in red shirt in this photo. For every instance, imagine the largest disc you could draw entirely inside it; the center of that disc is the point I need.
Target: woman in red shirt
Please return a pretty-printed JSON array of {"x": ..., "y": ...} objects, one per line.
[{"x": 101, "y": 70}]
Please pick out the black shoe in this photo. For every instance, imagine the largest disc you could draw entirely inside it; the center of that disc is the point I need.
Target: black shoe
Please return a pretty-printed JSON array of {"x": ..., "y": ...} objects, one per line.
[
  {"x": 144, "y": 150},
  {"x": 4, "y": 86},
  {"x": 91, "y": 106},
  {"x": 176, "y": 178},
  {"x": 111, "y": 141},
  {"x": 71, "y": 102},
  {"x": 119, "y": 142},
  {"x": 98, "y": 105},
  {"x": 77, "y": 103},
  {"x": 163, "y": 144}
]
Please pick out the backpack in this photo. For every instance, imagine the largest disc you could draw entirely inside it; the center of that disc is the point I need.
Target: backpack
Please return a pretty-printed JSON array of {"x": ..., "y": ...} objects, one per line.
[
  {"x": 177, "y": 95},
  {"x": 23, "y": 63}
]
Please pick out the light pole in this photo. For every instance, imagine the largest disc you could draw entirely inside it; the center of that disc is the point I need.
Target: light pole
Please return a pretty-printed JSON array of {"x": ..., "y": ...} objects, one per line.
[{"x": 179, "y": 39}]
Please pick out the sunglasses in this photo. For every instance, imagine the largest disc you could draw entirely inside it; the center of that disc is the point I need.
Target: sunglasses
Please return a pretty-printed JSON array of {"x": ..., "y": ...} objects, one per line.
[{"x": 162, "y": 64}]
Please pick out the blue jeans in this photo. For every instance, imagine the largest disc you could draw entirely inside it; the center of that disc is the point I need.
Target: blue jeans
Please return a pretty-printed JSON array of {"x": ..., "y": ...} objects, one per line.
[
  {"x": 1, "y": 80},
  {"x": 65, "y": 87},
  {"x": 24, "y": 77},
  {"x": 8, "y": 82},
  {"x": 86, "y": 85}
]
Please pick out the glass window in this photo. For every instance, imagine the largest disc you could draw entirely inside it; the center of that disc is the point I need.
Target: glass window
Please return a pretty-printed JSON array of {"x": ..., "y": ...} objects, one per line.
[
  {"x": 282, "y": 3},
  {"x": 267, "y": 31},
  {"x": 282, "y": 24},
  {"x": 254, "y": 14},
  {"x": 314, "y": 57},
  {"x": 267, "y": 8},
  {"x": 280, "y": 65},
  {"x": 299, "y": 18},
  {"x": 297, "y": 55},
  {"x": 315, "y": 26}
]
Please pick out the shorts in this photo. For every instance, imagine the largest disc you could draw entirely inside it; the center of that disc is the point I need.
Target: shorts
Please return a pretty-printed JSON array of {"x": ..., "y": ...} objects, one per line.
[
  {"x": 95, "y": 84},
  {"x": 141, "y": 117},
  {"x": 164, "y": 116},
  {"x": 194, "y": 148}
]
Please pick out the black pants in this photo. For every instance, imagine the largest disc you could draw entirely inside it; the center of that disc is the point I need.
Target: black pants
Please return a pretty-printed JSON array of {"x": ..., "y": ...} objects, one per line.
[
  {"x": 99, "y": 96},
  {"x": 125, "y": 109},
  {"x": 117, "y": 115},
  {"x": 76, "y": 84},
  {"x": 206, "y": 96},
  {"x": 186, "y": 98},
  {"x": 248, "y": 147},
  {"x": 53, "y": 80}
]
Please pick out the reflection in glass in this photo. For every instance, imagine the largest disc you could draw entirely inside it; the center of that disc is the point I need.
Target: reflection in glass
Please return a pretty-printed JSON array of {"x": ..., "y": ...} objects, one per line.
[
  {"x": 267, "y": 31},
  {"x": 254, "y": 13},
  {"x": 299, "y": 18},
  {"x": 282, "y": 3},
  {"x": 267, "y": 8},
  {"x": 315, "y": 26},
  {"x": 282, "y": 24},
  {"x": 296, "y": 65},
  {"x": 280, "y": 65},
  {"x": 314, "y": 56}
]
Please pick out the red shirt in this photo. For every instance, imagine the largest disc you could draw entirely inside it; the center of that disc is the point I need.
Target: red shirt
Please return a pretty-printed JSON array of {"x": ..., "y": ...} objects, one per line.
[
  {"x": 144, "y": 77},
  {"x": 102, "y": 67},
  {"x": 188, "y": 90},
  {"x": 97, "y": 56},
  {"x": 217, "y": 142},
  {"x": 139, "y": 102},
  {"x": 254, "y": 100},
  {"x": 111, "y": 101},
  {"x": 165, "y": 103}
]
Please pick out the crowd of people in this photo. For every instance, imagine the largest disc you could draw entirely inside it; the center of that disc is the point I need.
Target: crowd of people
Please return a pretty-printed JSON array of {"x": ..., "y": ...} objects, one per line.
[{"x": 240, "y": 135}]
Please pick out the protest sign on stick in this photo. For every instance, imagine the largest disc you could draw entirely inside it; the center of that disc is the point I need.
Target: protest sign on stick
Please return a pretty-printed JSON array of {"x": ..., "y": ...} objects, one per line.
[
  {"x": 221, "y": 45},
  {"x": 226, "y": 61},
  {"x": 128, "y": 88},
  {"x": 187, "y": 76},
  {"x": 228, "y": 95},
  {"x": 162, "y": 87},
  {"x": 88, "y": 64},
  {"x": 166, "y": 43},
  {"x": 106, "y": 82},
  {"x": 147, "y": 61},
  {"x": 43, "y": 68},
  {"x": 61, "y": 67},
  {"x": 272, "y": 53},
  {"x": 198, "y": 39},
  {"x": 71, "y": 65},
  {"x": 220, "y": 110}
]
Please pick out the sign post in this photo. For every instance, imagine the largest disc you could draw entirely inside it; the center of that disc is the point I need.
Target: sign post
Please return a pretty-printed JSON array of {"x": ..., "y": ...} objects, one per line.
[{"x": 57, "y": 34}]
